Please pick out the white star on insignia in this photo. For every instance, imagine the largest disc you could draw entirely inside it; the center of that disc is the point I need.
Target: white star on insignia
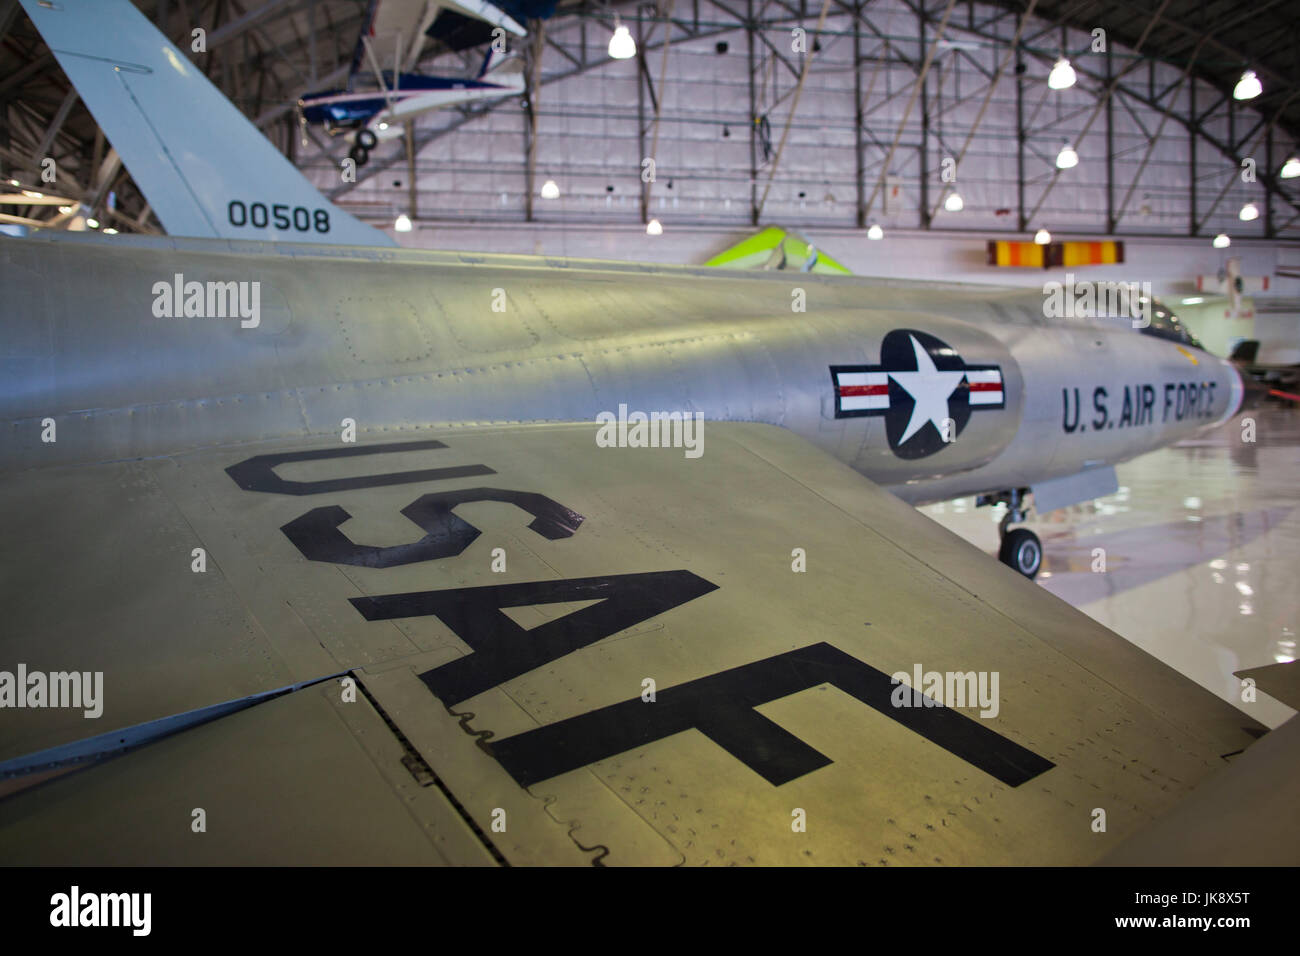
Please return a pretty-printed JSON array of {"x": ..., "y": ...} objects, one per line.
[{"x": 930, "y": 390}]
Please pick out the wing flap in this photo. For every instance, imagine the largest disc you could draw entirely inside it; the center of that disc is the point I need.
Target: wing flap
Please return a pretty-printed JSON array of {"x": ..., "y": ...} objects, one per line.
[{"x": 302, "y": 779}]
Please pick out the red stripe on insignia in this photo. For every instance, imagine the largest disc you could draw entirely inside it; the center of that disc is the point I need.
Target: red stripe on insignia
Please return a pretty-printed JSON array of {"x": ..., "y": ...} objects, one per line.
[
  {"x": 985, "y": 386},
  {"x": 847, "y": 390}
]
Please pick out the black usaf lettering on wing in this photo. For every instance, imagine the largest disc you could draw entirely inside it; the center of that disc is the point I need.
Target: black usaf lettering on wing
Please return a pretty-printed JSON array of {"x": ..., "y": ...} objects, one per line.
[{"x": 721, "y": 706}]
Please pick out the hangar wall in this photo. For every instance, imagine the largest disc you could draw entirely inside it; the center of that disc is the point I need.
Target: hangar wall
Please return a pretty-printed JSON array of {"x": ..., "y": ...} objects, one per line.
[{"x": 596, "y": 125}]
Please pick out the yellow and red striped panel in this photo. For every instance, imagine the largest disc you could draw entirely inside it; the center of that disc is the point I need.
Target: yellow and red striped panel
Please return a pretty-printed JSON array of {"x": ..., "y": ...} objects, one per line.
[
  {"x": 1002, "y": 252},
  {"x": 1103, "y": 253}
]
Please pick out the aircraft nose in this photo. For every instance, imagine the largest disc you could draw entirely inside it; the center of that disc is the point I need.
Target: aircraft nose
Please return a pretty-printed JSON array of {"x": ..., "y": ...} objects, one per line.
[{"x": 1253, "y": 392}]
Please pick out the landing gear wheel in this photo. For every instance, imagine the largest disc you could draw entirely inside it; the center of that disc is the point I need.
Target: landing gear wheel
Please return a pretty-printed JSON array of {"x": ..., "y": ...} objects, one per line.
[
  {"x": 1022, "y": 551},
  {"x": 359, "y": 155},
  {"x": 366, "y": 139}
]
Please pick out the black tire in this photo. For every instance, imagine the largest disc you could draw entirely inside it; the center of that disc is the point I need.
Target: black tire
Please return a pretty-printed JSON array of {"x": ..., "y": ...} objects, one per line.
[
  {"x": 366, "y": 139},
  {"x": 1022, "y": 552},
  {"x": 359, "y": 155}
]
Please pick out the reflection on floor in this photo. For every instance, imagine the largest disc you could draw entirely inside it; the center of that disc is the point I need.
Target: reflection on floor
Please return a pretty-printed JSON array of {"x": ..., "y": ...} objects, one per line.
[{"x": 1196, "y": 559}]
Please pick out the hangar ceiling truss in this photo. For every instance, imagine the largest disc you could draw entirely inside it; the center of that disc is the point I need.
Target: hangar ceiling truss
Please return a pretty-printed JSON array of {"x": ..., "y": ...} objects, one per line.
[{"x": 932, "y": 81}]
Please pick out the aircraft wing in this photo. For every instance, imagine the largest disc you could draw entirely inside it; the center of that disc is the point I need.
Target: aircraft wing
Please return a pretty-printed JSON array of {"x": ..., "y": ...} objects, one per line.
[
  {"x": 487, "y": 12},
  {"x": 510, "y": 644},
  {"x": 402, "y": 24}
]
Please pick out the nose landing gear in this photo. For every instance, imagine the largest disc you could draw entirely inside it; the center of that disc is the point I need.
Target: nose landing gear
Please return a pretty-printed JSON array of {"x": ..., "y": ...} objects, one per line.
[{"x": 1021, "y": 550}]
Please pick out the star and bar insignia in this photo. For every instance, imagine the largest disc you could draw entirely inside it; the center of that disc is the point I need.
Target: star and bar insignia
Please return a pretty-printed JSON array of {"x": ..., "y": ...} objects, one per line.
[{"x": 920, "y": 384}]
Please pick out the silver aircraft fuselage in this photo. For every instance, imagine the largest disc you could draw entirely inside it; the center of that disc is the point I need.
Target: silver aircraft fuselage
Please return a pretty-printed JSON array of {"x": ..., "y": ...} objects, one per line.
[{"x": 396, "y": 339}]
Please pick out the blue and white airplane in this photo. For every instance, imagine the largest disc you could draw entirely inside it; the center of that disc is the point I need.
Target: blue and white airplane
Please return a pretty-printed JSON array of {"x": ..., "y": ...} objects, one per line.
[
  {"x": 383, "y": 94},
  {"x": 368, "y": 116}
]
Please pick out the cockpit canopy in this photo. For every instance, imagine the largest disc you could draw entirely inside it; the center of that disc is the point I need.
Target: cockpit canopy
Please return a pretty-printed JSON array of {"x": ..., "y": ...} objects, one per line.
[
  {"x": 1152, "y": 317},
  {"x": 1165, "y": 325}
]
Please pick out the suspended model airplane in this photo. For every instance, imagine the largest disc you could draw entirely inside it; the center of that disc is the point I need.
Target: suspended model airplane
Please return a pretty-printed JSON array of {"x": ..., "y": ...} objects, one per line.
[
  {"x": 380, "y": 555},
  {"x": 774, "y": 248},
  {"x": 368, "y": 116},
  {"x": 382, "y": 94}
]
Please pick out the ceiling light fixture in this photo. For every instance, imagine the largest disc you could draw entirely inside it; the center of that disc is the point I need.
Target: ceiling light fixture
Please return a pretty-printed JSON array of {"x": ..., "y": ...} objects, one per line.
[
  {"x": 621, "y": 44},
  {"x": 1062, "y": 76},
  {"x": 1248, "y": 87}
]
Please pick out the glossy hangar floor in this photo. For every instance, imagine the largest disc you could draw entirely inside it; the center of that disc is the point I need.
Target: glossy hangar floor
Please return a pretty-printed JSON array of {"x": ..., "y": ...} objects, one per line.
[{"x": 1202, "y": 553}]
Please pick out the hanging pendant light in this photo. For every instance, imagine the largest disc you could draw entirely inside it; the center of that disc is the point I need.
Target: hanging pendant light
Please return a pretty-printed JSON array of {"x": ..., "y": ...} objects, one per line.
[
  {"x": 1062, "y": 76},
  {"x": 1248, "y": 87},
  {"x": 621, "y": 44}
]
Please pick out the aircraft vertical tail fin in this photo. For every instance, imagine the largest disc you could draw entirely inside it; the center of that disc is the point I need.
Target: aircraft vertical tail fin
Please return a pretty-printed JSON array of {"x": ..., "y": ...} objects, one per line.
[{"x": 205, "y": 169}]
